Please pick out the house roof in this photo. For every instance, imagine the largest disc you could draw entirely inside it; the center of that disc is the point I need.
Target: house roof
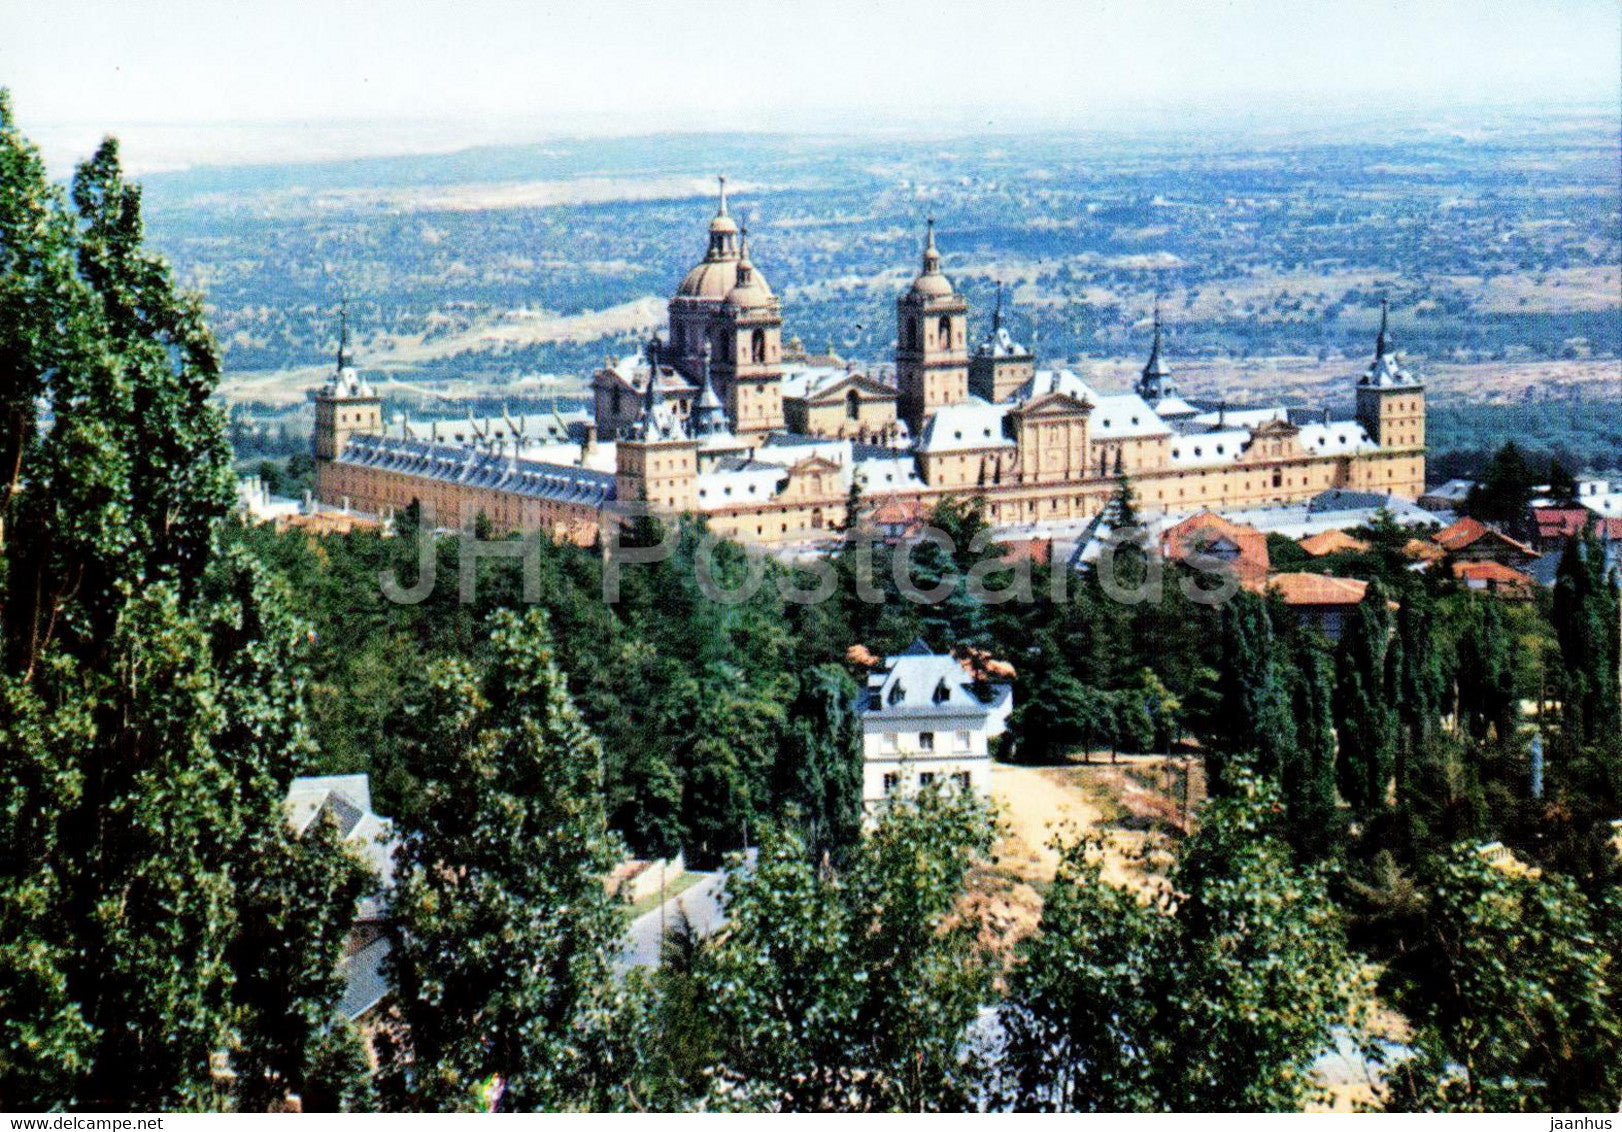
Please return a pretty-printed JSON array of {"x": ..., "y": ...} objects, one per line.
[
  {"x": 966, "y": 425},
  {"x": 1494, "y": 573},
  {"x": 1467, "y": 532},
  {"x": 364, "y": 982},
  {"x": 920, "y": 684},
  {"x": 1317, "y": 589},
  {"x": 1560, "y": 522},
  {"x": 1421, "y": 550},
  {"x": 1204, "y": 531},
  {"x": 1331, "y": 542}
]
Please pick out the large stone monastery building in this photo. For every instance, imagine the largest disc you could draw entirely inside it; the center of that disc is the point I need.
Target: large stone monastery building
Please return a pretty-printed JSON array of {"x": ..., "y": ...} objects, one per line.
[{"x": 765, "y": 443}]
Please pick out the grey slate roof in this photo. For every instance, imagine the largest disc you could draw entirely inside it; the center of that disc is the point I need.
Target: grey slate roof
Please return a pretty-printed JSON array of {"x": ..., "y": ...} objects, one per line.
[
  {"x": 364, "y": 983},
  {"x": 463, "y": 464}
]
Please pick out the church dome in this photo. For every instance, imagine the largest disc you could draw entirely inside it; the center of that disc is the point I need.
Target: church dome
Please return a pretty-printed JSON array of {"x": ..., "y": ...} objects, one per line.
[
  {"x": 714, "y": 278},
  {"x": 711, "y": 279},
  {"x": 931, "y": 284},
  {"x": 751, "y": 289}
]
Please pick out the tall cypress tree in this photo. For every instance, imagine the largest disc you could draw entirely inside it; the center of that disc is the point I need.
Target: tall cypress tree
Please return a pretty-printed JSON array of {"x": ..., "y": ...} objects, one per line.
[
  {"x": 1586, "y": 624},
  {"x": 1364, "y": 719},
  {"x": 1308, "y": 776}
]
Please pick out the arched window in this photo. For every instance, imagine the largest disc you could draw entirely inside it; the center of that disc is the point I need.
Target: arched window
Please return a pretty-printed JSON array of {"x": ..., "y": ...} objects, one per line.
[
  {"x": 853, "y": 406},
  {"x": 757, "y": 347},
  {"x": 945, "y": 332}
]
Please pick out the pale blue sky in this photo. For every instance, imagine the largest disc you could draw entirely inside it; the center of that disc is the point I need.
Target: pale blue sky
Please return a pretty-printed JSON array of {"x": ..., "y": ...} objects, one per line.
[{"x": 487, "y": 69}]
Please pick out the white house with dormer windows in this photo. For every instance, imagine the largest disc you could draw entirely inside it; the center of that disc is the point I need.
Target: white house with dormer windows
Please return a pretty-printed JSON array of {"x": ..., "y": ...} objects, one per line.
[{"x": 925, "y": 719}]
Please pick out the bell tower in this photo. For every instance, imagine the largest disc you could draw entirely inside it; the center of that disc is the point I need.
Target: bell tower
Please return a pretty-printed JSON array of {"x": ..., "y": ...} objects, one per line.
[
  {"x": 345, "y": 405},
  {"x": 749, "y": 367},
  {"x": 655, "y": 459},
  {"x": 932, "y": 353},
  {"x": 1390, "y": 400}
]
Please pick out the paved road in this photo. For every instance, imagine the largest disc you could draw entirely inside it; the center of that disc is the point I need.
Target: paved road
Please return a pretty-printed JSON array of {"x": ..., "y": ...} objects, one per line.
[{"x": 701, "y": 903}]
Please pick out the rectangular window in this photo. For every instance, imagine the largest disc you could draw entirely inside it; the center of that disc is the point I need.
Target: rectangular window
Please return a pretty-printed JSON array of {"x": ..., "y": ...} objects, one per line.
[
  {"x": 891, "y": 781},
  {"x": 926, "y": 740},
  {"x": 962, "y": 740},
  {"x": 889, "y": 741},
  {"x": 961, "y": 778},
  {"x": 926, "y": 778}
]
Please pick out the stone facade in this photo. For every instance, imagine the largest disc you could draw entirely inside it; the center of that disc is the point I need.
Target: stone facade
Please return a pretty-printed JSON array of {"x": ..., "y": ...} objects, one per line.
[{"x": 697, "y": 425}]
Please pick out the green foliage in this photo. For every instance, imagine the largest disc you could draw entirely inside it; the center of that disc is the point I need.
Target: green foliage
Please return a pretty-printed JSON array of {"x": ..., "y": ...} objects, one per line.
[
  {"x": 1587, "y": 622},
  {"x": 1217, "y": 998},
  {"x": 853, "y": 990},
  {"x": 157, "y": 912},
  {"x": 820, "y": 767},
  {"x": 503, "y": 930},
  {"x": 1521, "y": 1010},
  {"x": 1504, "y": 491},
  {"x": 1365, "y": 719}
]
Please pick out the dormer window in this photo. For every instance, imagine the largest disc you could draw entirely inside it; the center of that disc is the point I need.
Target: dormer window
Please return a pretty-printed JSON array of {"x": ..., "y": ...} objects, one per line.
[
  {"x": 897, "y": 694},
  {"x": 942, "y": 693}
]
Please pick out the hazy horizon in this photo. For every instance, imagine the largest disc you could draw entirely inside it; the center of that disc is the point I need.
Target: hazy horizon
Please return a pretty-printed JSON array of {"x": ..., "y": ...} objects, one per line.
[{"x": 184, "y": 82}]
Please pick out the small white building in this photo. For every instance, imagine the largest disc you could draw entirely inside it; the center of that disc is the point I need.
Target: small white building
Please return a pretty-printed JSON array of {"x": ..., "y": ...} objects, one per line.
[{"x": 926, "y": 720}]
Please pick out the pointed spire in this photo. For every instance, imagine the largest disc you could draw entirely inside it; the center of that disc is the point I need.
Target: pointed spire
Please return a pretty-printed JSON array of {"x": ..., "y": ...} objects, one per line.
[
  {"x": 343, "y": 333},
  {"x": 996, "y": 313},
  {"x": 745, "y": 269},
  {"x": 1380, "y": 343},
  {"x": 721, "y": 179},
  {"x": 932, "y": 256}
]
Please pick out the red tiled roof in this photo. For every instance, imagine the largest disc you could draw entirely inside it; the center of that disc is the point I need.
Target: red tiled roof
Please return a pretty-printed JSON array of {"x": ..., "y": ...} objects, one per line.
[
  {"x": 1317, "y": 589},
  {"x": 1197, "y": 532},
  {"x": 1494, "y": 572},
  {"x": 1560, "y": 522},
  {"x": 1468, "y": 532},
  {"x": 1329, "y": 542},
  {"x": 1461, "y": 534}
]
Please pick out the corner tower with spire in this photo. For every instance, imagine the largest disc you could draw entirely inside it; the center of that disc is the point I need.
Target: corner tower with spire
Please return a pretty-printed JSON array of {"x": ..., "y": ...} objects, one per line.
[
  {"x": 1391, "y": 409},
  {"x": 1000, "y": 365},
  {"x": 932, "y": 354},
  {"x": 345, "y": 404},
  {"x": 655, "y": 458},
  {"x": 1390, "y": 400}
]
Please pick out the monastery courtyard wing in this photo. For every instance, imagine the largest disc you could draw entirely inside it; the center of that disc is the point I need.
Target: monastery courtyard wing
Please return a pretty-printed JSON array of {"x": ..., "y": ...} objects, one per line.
[{"x": 719, "y": 419}]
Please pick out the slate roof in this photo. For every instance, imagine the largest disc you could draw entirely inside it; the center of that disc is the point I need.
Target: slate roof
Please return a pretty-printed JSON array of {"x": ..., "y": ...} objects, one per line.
[
  {"x": 364, "y": 983},
  {"x": 920, "y": 685},
  {"x": 969, "y": 424},
  {"x": 462, "y": 464}
]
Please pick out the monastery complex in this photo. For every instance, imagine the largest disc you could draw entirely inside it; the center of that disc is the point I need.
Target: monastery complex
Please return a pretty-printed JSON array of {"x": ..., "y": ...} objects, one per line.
[{"x": 720, "y": 420}]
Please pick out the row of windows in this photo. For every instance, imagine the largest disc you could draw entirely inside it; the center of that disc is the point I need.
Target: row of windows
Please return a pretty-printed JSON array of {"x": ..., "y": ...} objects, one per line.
[
  {"x": 892, "y": 781},
  {"x": 926, "y": 739}
]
